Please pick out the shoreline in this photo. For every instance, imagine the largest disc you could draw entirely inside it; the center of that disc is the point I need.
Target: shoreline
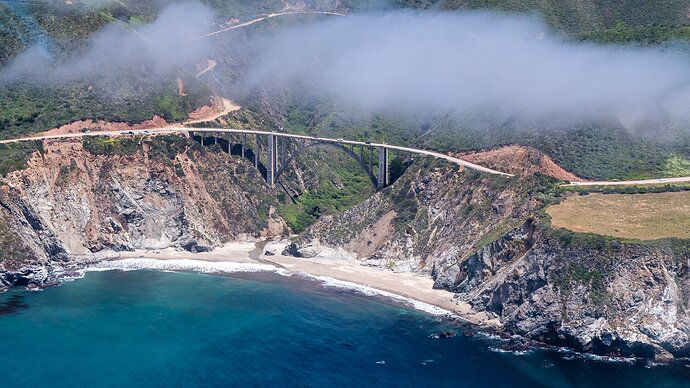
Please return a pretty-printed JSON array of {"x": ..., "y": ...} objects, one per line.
[{"x": 410, "y": 289}]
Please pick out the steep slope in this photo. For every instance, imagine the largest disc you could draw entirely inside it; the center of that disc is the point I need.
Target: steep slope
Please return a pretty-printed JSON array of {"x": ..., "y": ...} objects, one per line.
[{"x": 153, "y": 193}]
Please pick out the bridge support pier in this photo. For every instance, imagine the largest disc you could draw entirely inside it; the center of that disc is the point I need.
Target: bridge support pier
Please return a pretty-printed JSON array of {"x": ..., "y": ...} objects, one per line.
[
  {"x": 272, "y": 166},
  {"x": 383, "y": 167},
  {"x": 229, "y": 143},
  {"x": 256, "y": 153},
  {"x": 242, "y": 143}
]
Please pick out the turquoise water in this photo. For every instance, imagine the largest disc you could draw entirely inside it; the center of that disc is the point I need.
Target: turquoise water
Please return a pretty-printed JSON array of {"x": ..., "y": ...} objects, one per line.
[{"x": 148, "y": 328}]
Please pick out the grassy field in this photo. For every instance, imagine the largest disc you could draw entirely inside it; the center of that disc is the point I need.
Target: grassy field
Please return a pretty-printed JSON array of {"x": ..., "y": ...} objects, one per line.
[{"x": 632, "y": 216}]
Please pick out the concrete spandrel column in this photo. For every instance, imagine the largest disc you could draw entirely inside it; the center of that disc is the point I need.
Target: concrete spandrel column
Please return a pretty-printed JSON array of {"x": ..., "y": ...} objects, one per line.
[
  {"x": 256, "y": 153},
  {"x": 271, "y": 167},
  {"x": 383, "y": 168}
]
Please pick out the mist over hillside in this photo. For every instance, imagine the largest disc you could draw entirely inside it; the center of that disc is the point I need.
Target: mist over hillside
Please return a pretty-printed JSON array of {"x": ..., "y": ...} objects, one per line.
[
  {"x": 159, "y": 48},
  {"x": 461, "y": 62},
  {"x": 405, "y": 62}
]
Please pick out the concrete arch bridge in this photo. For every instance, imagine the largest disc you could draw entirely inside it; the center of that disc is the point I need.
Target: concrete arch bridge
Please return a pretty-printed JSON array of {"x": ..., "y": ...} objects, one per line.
[{"x": 283, "y": 148}]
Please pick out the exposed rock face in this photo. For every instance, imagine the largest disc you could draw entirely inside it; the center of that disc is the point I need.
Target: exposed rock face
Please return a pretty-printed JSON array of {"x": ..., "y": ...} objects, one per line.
[
  {"x": 478, "y": 236},
  {"x": 483, "y": 239},
  {"x": 71, "y": 202},
  {"x": 594, "y": 295}
]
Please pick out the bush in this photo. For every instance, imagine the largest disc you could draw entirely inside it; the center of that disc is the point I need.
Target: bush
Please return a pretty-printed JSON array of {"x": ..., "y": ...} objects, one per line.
[{"x": 106, "y": 145}]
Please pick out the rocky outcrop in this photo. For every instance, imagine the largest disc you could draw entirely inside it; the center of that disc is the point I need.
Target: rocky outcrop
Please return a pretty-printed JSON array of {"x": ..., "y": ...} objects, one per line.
[
  {"x": 484, "y": 239},
  {"x": 479, "y": 236},
  {"x": 161, "y": 192},
  {"x": 591, "y": 294},
  {"x": 435, "y": 215}
]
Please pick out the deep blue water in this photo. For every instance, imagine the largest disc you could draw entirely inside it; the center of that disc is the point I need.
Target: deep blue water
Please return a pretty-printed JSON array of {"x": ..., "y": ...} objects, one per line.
[{"x": 147, "y": 328}]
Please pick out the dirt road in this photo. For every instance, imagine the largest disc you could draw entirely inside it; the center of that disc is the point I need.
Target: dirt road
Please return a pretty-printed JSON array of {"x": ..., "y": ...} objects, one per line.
[{"x": 658, "y": 181}]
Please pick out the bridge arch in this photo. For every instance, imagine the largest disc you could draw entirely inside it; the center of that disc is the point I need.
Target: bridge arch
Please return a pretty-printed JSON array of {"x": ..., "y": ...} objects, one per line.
[{"x": 286, "y": 164}]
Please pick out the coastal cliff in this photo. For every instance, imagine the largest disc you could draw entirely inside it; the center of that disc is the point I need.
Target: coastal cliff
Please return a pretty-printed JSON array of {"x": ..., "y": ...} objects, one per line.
[
  {"x": 76, "y": 198},
  {"x": 485, "y": 239}
]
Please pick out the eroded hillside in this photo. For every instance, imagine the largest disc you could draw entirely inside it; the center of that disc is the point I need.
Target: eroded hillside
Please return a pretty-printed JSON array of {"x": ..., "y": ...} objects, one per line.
[{"x": 164, "y": 192}]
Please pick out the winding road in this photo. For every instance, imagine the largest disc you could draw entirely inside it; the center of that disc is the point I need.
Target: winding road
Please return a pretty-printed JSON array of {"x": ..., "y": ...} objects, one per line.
[
  {"x": 658, "y": 181},
  {"x": 264, "y": 17},
  {"x": 186, "y": 130}
]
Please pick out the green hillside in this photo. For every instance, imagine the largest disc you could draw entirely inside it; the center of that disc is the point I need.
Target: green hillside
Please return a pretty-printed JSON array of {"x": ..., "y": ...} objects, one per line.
[{"x": 589, "y": 18}]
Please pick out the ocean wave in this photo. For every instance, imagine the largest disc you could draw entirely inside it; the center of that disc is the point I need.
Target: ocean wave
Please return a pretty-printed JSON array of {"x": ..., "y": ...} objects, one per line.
[
  {"x": 596, "y": 357},
  {"x": 210, "y": 267},
  {"x": 571, "y": 354},
  {"x": 510, "y": 351},
  {"x": 71, "y": 275},
  {"x": 371, "y": 291}
]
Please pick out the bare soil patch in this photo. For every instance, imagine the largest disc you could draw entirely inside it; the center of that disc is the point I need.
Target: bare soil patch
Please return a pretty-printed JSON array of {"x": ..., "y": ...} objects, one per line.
[{"x": 520, "y": 160}]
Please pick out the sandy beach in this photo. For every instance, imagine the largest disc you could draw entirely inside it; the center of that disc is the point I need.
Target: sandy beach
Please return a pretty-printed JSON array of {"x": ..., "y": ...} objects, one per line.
[{"x": 407, "y": 285}]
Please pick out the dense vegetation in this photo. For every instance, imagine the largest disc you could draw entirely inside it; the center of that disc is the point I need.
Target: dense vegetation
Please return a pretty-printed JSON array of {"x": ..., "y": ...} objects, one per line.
[
  {"x": 14, "y": 156},
  {"x": 590, "y": 151},
  {"x": 338, "y": 189},
  {"x": 590, "y": 18}
]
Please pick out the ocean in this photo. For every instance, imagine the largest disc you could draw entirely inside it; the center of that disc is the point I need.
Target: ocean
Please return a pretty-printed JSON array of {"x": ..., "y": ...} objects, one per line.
[{"x": 158, "y": 328}]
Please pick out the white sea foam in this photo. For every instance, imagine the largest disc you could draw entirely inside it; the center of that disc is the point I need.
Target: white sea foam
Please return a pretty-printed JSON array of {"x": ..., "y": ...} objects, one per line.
[
  {"x": 596, "y": 357},
  {"x": 490, "y": 336},
  {"x": 68, "y": 276},
  {"x": 516, "y": 352},
  {"x": 182, "y": 265}
]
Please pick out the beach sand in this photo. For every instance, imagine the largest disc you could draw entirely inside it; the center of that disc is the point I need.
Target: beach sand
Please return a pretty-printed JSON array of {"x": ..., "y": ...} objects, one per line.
[{"x": 409, "y": 285}]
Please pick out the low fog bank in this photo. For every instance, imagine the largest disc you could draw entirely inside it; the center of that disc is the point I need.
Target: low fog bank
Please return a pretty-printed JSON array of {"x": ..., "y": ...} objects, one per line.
[
  {"x": 466, "y": 62},
  {"x": 406, "y": 62}
]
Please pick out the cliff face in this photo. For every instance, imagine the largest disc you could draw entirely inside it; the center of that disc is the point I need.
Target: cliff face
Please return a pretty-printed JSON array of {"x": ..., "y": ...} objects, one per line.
[
  {"x": 483, "y": 239},
  {"x": 156, "y": 193},
  {"x": 594, "y": 295}
]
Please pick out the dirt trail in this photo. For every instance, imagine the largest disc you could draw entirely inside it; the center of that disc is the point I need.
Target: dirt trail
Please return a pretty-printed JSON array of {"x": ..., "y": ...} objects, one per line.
[
  {"x": 219, "y": 108},
  {"x": 520, "y": 160},
  {"x": 156, "y": 122},
  {"x": 210, "y": 65}
]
